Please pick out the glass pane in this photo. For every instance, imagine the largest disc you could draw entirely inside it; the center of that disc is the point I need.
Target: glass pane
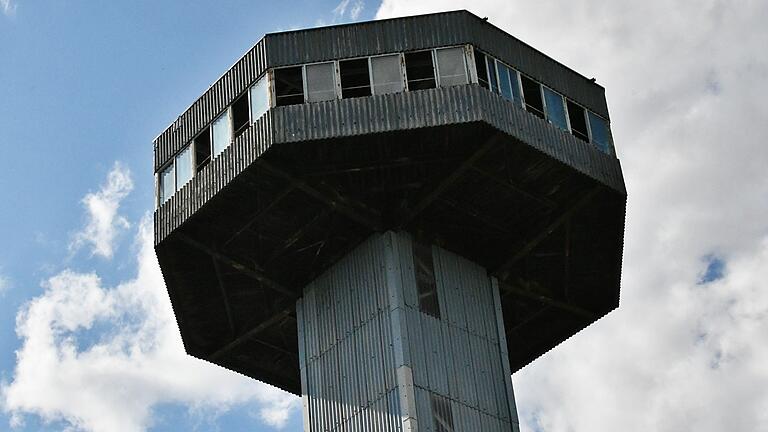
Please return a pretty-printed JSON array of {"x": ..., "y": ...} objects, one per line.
[
  {"x": 420, "y": 70},
  {"x": 555, "y": 108},
  {"x": 321, "y": 85},
  {"x": 492, "y": 75},
  {"x": 259, "y": 98},
  {"x": 222, "y": 133},
  {"x": 387, "y": 75},
  {"x": 515, "y": 84},
  {"x": 451, "y": 65},
  {"x": 504, "y": 83},
  {"x": 355, "y": 79},
  {"x": 482, "y": 69},
  {"x": 167, "y": 183},
  {"x": 289, "y": 86},
  {"x": 184, "y": 169},
  {"x": 599, "y": 128}
]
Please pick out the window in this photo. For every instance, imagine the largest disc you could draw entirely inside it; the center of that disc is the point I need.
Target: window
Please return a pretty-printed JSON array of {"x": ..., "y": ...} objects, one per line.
[
  {"x": 451, "y": 66},
  {"x": 492, "y": 79},
  {"x": 222, "y": 133},
  {"x": 289, "y": 86},
  {"x": 184, "y": 167},
  {"x": 419, "y": 70},
  {"x": 599, "y": 128},
  {"x": 355, "y": 78},
  {"x": 167, "y": 184},
  {"x": 425, "y": 279},
  {"x": 387, "y": 74},
  {"x": 202, "y": 144},
  {"x": 241, "y": 116},
  {"x": 555, "y": 108},
  {"x": 259, "y": 98},
  {"x": 482, "y": 69},
  {"x": 510, "y": 89},
  {"x": 321, "y": 82},
  {"x": 578, "y": 121},
  {"x": 532, "y": 96},
  {"x": 441, "y": 413}
]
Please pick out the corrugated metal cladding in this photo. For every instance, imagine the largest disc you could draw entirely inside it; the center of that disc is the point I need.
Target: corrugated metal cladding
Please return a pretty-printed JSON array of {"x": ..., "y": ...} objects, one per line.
[
  {"x": 430, "y": 31},
  {"x": 212, "y": 178},
  {"x": 438, "y": 107},
  {"x": 384, "y": 113},
  {"x": 370, "y": 360},
  {"x": 370, "y": 38}
]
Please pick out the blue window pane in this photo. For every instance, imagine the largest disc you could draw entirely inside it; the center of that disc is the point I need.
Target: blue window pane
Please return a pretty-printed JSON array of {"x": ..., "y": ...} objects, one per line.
[
  {"x": 599, "y": 129},
  {"x": 184, "y": 167},
  {"x": 492, "y": 75},
  {"x": 555, "y": 108},
  {"x": 504, "y": 83},
  {"x": 167, "y": 183},
  {"x": 259, "y": 98},
  {"x": 221, "y": 133}
]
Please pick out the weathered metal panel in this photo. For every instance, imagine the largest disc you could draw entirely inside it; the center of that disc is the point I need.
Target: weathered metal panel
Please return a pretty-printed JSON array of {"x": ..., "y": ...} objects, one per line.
[{"x": 371, "y": 38}]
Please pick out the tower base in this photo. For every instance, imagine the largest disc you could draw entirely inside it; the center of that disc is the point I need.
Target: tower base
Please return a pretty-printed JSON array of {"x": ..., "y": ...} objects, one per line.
[{"x": 400, "y": 336}]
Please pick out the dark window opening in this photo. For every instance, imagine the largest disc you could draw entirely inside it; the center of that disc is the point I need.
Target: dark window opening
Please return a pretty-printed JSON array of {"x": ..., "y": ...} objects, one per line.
[
  {"x": 289, "y": 86},
  {"x": 441, "y": 413},
  {"x": 482, "y": 69},
  {"x": 203, "y": 149},
  {"x": 355, "y": 78},
  {"x": 492, "y": 78},
  {"x": 241, "y": 116},
  {"x": 420, "y": 70},
  {"x": 576, "y": 116},
  {"x": 532, "y": 96},
  {"x": 425, "y": 279}
]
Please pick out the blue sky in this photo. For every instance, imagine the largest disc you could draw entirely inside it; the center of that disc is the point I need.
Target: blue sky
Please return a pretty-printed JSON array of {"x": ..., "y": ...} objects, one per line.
[{"x": 87, "y": 338}]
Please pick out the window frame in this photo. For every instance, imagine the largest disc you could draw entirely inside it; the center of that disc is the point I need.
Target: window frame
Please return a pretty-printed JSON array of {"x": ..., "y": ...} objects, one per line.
[
  {"x": 370, "y": 77},
  {"x": 336, "y": 80},
  {"x": 404, "y": 67},
  {"x": 270, "y": 103},
  {"x": 403, "y": 80},
  {"x": 564, "y": 105},
  {"x": 436, "y": 65},
  {"x": 273, "y": 84}
]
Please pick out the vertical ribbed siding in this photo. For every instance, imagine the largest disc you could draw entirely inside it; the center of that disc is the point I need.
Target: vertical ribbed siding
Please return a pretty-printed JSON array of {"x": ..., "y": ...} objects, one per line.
[
  {"x": 371, "y": 38},
  {"x": 353, "y": 318},
  {"x": 218, "y": 173},
  {"x": 206, "y": 108}
]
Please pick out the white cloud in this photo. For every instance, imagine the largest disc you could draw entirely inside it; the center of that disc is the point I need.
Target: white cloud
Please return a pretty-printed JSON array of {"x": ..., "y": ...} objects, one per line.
[
  {"x": 100, "y": 358},
  {"x": 354, "y": 7},
  {"x": 686, "y": 90},
  {"x": 8, "y": 7},
  {"x": 104, "y": 223}
]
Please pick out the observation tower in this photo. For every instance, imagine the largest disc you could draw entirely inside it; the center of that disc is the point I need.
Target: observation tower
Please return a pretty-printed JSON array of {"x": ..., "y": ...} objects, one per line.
[{"x": 389, "y": 218}]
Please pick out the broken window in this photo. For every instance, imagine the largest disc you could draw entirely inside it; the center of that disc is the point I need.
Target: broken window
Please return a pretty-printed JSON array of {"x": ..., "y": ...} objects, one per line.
[
  {"x": 321, "y": 82},
  {"x": 425, "y": 279},
  {"x": 202, "y": 144},
  {"x": 508, "y": 83},
  {"x": 259, "y": 98},
  {"x": 578, "y": 121},
  {"x": 532, "y": 96},
  {"x": 555, "y": 108},
  {"x": 221, "y": 133},
  {"x": 442, "y": 414},
  {"x": 482, "y": 69},
  {"x": 355, "y": 78},
  {"x": 167, "y": 184},
  {"x": 451, "y": 66},
  {"x": 241, "y": 116},
  {"x": 599, "y": 128},
  {"x": 419, "y": 70},
  {"x": 289, "y": 86},
  {"x": 492, "y": 78},
  {"x": 387, "y": 74},
  {"x": 184, "y": 167}
]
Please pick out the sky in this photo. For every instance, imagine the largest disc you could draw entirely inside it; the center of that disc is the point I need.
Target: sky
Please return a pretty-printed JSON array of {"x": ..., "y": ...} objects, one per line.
[{"x": 87, "y": 336}]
